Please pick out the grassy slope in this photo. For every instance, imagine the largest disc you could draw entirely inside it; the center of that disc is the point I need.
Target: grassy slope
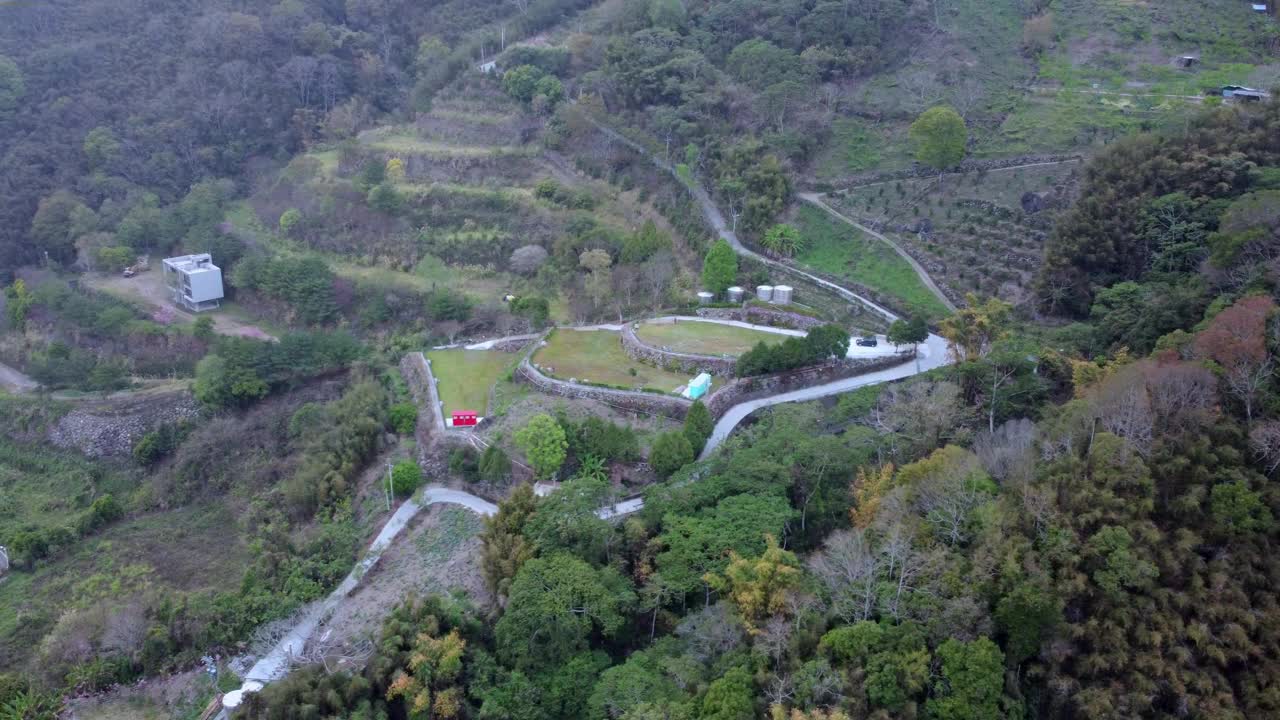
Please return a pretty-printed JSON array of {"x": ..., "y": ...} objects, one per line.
[
  {"x": 465, "y": 376},
  {"x": 43, "y": 487},
  {"x": 166, "y": 550},
  {"x": 598, "y": 356},
  {"x": 705, "y": 338},
  {"x": 1017, "y": 105},
  {"x": 839, "y": 250}
]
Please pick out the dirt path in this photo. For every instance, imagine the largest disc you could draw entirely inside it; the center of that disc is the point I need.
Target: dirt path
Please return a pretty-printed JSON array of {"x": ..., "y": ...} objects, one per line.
[
  {"x": 816, "y": 200},
  {"x": 1049, "y": 91},
  {"x": 149, "y": 289}
]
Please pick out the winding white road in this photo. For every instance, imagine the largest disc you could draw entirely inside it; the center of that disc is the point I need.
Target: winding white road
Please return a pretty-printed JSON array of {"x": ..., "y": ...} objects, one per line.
[
  {"x": 932, "y": 354},
  {"x": 279, "y": 660}
]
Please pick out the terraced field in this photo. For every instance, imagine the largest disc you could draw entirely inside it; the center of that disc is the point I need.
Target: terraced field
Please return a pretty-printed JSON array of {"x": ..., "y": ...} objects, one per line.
[
  {"x": 705, "y": 338},
  {"x": 597, "y": 356},
  {"x": 972, "y": 232}
]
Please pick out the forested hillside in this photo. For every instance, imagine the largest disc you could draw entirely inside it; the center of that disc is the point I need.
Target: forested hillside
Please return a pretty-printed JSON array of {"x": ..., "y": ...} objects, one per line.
[
  {"x": 125, "y": 105},
  {"x": 1040, "y": 483}
]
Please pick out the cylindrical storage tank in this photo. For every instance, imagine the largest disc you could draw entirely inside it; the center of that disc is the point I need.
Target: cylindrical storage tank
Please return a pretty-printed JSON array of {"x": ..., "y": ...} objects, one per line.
[
  {"x": 764, "y": 292},
  {"x": 782, "y": 294},
  {"x": 705, "y": 298},
  {"x": 735, "y": 294}
]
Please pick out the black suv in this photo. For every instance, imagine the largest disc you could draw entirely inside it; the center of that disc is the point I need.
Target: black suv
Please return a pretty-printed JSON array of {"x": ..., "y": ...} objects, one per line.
[{"x": 868, "y": 341}]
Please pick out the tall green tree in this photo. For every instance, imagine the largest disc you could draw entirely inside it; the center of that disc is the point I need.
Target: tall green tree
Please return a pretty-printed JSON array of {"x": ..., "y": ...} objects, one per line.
[
  {"x": 557, "y": 604},
  {"x": 505, "y": 549},
  {"x": 908, "y": 332},
  {"x": 971, "y": 683},
  {"x": 59, "y": 220},
  {"x": 544, "y": 445},
  {"x": 698, "y": 426},
  {"x": 939, "y": 136},
  {"x": 720, "y": 267},
  {"x": 730, "y": 697},
  {"x": 670, "y": 452},
  {"x": 566, "y": 520}
]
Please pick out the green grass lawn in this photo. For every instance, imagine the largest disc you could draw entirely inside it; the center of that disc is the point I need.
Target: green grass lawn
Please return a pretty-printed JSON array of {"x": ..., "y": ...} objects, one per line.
[
  {"x": 597, "y": 356},
  {"x": 467, "y": 375},
  {"x": 407, "y": 142},
  {"x": 838, "y": 249},
  {"x": 705, "y": 338}
]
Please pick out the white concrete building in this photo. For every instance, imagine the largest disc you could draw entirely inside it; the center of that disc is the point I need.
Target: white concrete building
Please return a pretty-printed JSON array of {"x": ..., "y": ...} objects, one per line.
[{"x": 195, "y": 283}]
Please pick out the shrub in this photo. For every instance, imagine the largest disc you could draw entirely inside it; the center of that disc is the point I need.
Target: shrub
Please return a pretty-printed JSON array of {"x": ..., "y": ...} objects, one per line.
[
  {"x": 495, "y": 466},
  {"x": 820, "y": 344},
  {"x": 403, "y": 417},
  {"x": 698, "y": 426},
  {"x": 406, "y": 476},
  {"x": 462, "y": 462},
  {"x": 671, "y": 451},
  {"x": 289, "y": 221},
  {"x": 544, "y": 444}
]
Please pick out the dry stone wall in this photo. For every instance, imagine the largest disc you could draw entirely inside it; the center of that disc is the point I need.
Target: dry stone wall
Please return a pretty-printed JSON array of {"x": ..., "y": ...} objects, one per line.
[
  {"x": 751, "y": 388},
  {"x": 689, "y": 363},
  {"x": 774, "y": 317},
  {"x": 628, "y": 400},
  {"x": 112, "y": 427}
]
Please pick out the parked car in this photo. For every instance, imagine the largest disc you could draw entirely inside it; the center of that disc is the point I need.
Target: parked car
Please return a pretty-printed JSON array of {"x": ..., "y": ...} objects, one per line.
[{"x": 868, "y": 341}]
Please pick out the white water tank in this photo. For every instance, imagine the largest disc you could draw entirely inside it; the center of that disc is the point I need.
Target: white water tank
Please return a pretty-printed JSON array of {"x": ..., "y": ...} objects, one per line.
[
  {"x": 735, "y": 294},
  {"x": 705, "y": 298},
  {"x": 782, "y": 294},
  {"x": 764, "y": 292}
]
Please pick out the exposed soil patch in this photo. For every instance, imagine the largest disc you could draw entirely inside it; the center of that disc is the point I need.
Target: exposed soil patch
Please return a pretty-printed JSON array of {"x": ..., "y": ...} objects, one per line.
[
  {"x": 149, "y": 289},
  {"x": 439, "y": 553}
]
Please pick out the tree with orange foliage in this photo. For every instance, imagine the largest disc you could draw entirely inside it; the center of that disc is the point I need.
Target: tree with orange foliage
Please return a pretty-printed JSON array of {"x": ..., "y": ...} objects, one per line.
[
  {"x": 758, "y": 587},
  {"x": 1236, "y": 343},
  {"x": 868, "y": 489}
]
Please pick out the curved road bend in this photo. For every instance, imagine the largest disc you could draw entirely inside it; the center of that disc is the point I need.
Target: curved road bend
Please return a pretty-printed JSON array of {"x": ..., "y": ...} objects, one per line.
[
  {"x": 279, "y": 660},
  {"x": 276, "y": 663}
]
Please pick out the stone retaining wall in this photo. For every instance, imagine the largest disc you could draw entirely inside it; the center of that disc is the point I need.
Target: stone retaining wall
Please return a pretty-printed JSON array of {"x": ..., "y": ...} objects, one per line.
[
  {"x": 689, "y": 363},
  {"x": 758, "y": 386},
  {"x": 629, "y": 400},
  {"x": 417, "y": 375},
  {"x": 762, "y": 316},
  {"x": 921, "y": 171},
  {"x": 103, "y": 429}
]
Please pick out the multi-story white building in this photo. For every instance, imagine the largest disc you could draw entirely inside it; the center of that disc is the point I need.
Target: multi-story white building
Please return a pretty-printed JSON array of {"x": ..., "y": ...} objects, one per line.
[{"x": 195, "y": 283}]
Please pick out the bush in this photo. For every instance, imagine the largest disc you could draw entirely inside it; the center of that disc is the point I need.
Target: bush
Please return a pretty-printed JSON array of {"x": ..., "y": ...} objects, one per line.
[
  {"x": 671, "y": 451},
  {"x": 403, "y": 417},
  {"x": 406, "y": 476},
  {"x": 821, "y": 344},
  {"x": 289, "y": 221},
  {"x": 698, "y": 426},
  {"x": 158, "y": 443},
  {"x": 495, "y": 466},
  {"x": 462, "y": 462}
]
